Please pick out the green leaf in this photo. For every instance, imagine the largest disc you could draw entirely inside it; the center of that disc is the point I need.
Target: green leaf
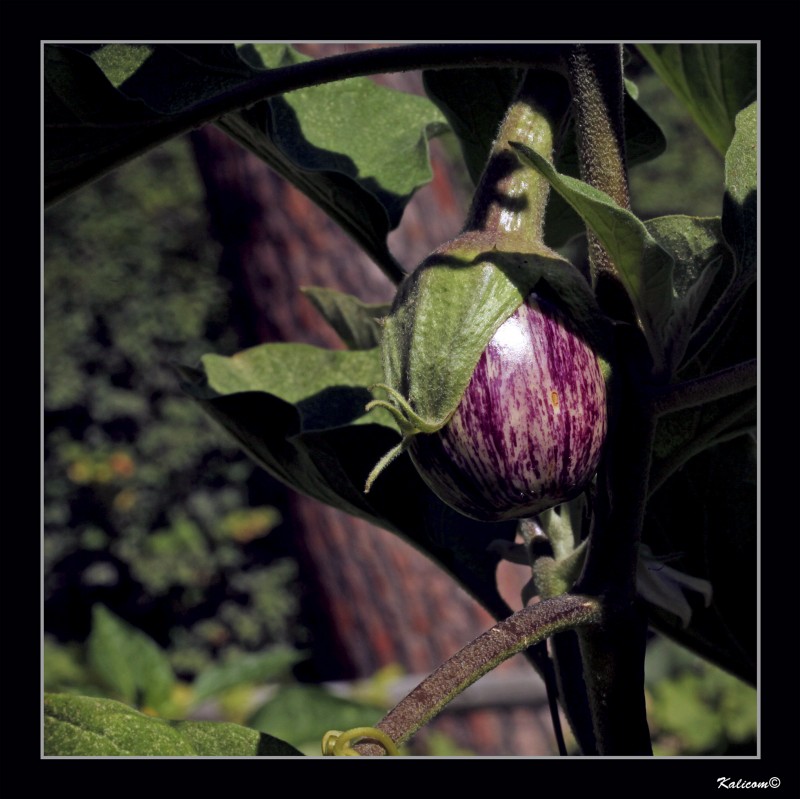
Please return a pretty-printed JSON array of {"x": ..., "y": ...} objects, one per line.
[
  {"x": 88, "y": 727},
  {"x": 446, "y": 312},
  {"x": 356, "y": 322},
  {"x": 357, "y": 149},
  {"x": 474, "y": 102},
  {"x": 644, "y": 267},
  {"x": 302, "y": 714},
  {"x": 105, "y": 104},
  {"x": 740, "y": 205},
  {"x": 715, "y": 81},
  {"x": 700, "y": 255},
  {"x": 726, "y": 332},
  {"x": 273, "y": 664},
  {"x": 298, "y": 411},
  {"x": 128, "y": 661},
  {"x": 705, "y": 516}
]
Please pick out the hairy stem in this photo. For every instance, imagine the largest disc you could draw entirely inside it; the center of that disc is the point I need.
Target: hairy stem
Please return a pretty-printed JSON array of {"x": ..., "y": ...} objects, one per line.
[
  {"x": 595, "y": 75},
  {"x": 520, "y": 631},
  {"x": 511, "y": 197}
]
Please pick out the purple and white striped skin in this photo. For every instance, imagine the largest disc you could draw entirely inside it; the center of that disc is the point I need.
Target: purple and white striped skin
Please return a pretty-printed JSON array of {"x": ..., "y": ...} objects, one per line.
[{"x": 530, "y": 427}]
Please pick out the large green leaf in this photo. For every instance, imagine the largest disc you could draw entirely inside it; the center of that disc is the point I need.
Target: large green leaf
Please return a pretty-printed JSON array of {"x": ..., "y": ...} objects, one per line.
[
  {"x": 88, "y": 727},
  {"x": 129, "y": 662},
  {"x": 715, "y": 81},
  {"x": 705, "y": 517},
  {"x": 299, "y": 412},
  {"x": 644, "y": 266},
  {"x": 357, "y": 149}
]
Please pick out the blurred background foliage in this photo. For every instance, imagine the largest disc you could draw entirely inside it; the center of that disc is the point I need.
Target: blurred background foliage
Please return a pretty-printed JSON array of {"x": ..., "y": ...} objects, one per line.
[
  {"x": 157, "y": 537},
  {"x": 146, "y": 505}
]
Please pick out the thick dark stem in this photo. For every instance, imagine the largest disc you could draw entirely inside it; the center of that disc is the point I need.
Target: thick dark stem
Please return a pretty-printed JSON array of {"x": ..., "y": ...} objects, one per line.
[
  {"x": 572, "y": 689},
  {"x": 614, "y": 657}
]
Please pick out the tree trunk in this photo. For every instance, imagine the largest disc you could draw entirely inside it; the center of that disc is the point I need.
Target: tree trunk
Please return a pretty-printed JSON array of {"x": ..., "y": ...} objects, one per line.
[{"x": 371, "y": 599}]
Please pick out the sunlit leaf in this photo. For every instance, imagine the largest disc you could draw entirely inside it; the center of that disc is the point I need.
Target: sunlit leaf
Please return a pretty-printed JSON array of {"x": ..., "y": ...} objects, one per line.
[
  {"x": 88, "y": 727},
  {"x": 357, "y": 149}
]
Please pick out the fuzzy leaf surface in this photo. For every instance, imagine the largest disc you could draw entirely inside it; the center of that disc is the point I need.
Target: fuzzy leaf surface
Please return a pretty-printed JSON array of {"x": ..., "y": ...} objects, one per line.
[
  {"x": 715, "y": 81},
  {"x": 358, "y": 150},
  {"x": 740, "y": 205},
  {"x": 81, "y": 726}
]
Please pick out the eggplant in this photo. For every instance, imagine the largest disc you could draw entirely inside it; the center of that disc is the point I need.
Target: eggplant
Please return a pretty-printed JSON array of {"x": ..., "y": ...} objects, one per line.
[{"x": 528, "y": 432}]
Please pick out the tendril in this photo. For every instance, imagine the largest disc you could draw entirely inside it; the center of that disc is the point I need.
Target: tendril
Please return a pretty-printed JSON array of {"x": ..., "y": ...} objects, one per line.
[{"x": 340, "y": 744}]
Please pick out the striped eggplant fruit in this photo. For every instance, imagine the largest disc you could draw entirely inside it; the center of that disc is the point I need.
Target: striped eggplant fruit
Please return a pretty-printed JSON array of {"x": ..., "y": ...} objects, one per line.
[{"x": 529, "y": 430}]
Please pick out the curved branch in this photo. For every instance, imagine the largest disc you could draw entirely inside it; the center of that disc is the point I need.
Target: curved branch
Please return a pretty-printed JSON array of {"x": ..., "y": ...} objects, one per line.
[{"x": 523, "y": 629}]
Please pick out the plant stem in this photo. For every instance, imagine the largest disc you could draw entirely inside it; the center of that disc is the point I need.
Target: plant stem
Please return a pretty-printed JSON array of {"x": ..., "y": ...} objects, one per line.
[
  {"x": 523, "y": 629},
  {"x": 595, "y": 75},
  {"x": 614, "y": 656},
  {"x": 510, "y": 200}
]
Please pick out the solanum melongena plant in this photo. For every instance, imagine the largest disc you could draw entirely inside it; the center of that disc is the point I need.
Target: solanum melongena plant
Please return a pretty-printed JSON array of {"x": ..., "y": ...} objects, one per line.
[{"x": 523, "y": 406}]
